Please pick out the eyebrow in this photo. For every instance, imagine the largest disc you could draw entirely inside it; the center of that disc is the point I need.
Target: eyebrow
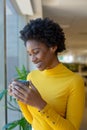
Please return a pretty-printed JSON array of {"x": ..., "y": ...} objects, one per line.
[{"x": 33, "y": 49}]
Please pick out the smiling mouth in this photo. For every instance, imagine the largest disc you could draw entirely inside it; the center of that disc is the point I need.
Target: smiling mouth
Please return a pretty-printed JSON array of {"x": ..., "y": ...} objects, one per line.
[{"x": 38, "y": 65}]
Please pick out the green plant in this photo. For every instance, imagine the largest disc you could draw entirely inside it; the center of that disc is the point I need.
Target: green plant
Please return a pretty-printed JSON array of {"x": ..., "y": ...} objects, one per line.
[
  {"x": 24, "y": 125},
  {"x": 72, "y": 66},
  {"x": 21, "y": 74},
  {"x": 2, "y": 93}
]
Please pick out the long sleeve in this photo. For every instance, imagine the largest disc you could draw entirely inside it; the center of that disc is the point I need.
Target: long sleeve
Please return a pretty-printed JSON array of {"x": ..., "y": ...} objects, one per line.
[
  {"x": 25, "y": 112},
  {"x": 75, "y": 108},
  {"x": 64, "y": 93}
]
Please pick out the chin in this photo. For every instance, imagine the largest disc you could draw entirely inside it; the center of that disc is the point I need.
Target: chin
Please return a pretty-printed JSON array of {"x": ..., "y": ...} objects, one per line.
[{"x": 41, "y": 68}]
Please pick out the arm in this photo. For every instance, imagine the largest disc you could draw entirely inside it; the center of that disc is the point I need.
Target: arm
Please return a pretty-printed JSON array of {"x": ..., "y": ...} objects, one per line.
[
  {"x": 74, "y": 112},
  {"x": 25, "y": 112}
]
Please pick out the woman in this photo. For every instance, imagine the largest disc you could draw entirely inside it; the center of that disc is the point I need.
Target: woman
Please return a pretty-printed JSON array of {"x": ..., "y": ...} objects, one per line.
[{"x": 54, "y": 99}]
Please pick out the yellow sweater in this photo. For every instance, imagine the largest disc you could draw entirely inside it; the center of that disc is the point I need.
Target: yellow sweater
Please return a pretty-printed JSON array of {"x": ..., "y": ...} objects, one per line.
[{"x": 63, "y": 91}]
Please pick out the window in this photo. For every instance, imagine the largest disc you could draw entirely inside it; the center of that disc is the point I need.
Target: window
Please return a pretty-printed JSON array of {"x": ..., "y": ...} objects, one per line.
[
  {"x": 15, "y": 53},
  {"x": 2, "y": 62}
]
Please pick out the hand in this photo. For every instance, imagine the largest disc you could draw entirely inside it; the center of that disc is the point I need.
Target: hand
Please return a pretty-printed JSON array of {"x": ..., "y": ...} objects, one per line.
[
  {"x": 10, "y": 90},
  {"x": 29, "y": 96}
]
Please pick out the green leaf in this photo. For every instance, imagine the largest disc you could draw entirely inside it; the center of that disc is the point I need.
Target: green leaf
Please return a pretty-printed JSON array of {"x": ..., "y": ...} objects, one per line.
[
  {"x": 21, "y": 74},
  {"x": 11, "y": 125},
  {"x": 12, "y": 107},
  {"x": 22, "y": 123},
  {"x": 18, "y": 72},
  {"x": 2, "y": 94},
  {"x": 23, "y": 69}
]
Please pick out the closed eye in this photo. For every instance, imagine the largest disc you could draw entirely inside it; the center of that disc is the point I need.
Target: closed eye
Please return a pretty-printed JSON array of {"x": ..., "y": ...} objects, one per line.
[{"x": 33, "y": 53}]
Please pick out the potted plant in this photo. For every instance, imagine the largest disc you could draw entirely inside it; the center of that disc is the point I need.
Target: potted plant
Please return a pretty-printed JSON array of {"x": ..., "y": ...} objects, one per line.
[{"x": 22, "y": 123}]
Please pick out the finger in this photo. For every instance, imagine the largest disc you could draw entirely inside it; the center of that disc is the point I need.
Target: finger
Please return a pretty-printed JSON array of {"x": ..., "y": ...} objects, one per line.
[
  {"x": 10, "y": 89},
  {"x": 21, "y": 85},
  {"x": 17, "y": 83},
  {"x": 19, "y": 91},
  {"x": 20, "y": 97},
  {"x": 10, "y": 92},
  {"x": 10, "y": 86},
  {"x": 24, "y": 82}
]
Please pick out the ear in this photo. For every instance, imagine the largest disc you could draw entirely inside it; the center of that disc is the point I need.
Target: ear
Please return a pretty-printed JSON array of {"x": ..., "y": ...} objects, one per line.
[{"x": 53, "y": 49}]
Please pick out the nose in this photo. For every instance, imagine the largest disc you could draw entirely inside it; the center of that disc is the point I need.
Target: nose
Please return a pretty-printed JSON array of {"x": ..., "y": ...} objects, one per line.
[{"x": 33, "y": 58}]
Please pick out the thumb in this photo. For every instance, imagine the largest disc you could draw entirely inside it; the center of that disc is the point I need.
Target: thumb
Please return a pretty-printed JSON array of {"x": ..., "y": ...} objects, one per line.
[{"x": 32, "y": 86}]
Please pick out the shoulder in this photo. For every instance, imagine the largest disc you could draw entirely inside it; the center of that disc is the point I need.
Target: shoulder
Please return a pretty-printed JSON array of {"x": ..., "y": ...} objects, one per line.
[
  {"x": 78, "y": 79},
  {"x": 33, "y": 73},
  {"x": 77, "y": 83}
]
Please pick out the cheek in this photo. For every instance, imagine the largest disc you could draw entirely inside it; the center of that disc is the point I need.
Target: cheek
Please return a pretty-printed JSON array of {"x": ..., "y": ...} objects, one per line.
[
  {"x": 42, "y": 55},
  {"x": 47, "y": 57}
]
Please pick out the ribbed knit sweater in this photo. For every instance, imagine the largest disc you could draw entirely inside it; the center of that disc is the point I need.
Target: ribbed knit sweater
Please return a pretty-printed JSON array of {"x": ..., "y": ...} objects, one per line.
[{"x": 63, "y": 91}]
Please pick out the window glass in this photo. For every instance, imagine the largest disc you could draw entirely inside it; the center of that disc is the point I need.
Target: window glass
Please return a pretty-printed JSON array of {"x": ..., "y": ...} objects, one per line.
[
  {"x": 2, "y": 63},
  {"x": 16, "y": 53}
]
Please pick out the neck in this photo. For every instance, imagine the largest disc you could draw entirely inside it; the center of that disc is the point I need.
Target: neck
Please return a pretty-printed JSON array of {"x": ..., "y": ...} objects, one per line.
[
  {"x": 54, "y": 70},
  {"x": 55, "y": 62}
]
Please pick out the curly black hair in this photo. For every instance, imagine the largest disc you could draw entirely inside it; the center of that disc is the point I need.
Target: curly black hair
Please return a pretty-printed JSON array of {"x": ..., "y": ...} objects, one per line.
[{"x": 46, "y": 31}]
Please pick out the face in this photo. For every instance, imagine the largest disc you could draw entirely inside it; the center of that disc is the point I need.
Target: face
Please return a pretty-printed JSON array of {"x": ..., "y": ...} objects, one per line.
[{"x": 41, "y": 55}]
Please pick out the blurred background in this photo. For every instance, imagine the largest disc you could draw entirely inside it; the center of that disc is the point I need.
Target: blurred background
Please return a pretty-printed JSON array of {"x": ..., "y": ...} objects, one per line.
[{"x": 14, "y": 14}]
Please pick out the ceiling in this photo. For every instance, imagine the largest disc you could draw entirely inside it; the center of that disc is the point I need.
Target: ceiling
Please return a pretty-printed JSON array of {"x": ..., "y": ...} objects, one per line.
[
  {"x": 70, "y": 14},
  {"x": 72, "y": 17}
]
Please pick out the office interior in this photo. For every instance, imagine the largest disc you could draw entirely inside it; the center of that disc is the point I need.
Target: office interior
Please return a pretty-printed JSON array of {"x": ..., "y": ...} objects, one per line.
[{"x": 14, "y": 14}]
